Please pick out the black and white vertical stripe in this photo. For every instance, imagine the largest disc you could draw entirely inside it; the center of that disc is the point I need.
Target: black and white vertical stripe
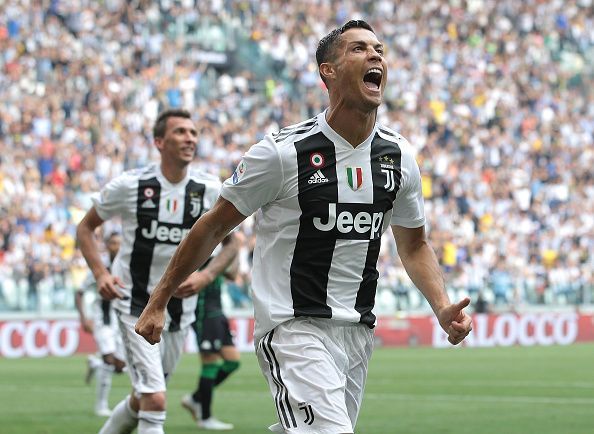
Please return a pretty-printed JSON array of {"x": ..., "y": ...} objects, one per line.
[
  {"x": 175, "y": 306},
  {"x": 383, "y": 199},
  {"x": 316, "y": 250},
  {"x": 141, "y": 256},
  {"x": 105, "y": 311},
  {"x": 311, "y": 258}
]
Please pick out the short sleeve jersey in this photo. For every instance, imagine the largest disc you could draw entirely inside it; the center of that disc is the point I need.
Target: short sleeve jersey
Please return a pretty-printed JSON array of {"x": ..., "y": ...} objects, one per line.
[
  {"x": 156, "y": 215},
  {"x": 323, "y": 208}
]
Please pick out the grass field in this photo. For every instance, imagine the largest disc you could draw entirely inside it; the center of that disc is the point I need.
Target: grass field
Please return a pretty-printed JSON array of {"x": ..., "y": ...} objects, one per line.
[{"x": 410, "y": 390}]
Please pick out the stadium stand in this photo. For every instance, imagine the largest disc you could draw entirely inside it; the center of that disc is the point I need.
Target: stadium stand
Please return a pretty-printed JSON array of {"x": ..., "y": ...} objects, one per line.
[{"x": 495, "y": 96}]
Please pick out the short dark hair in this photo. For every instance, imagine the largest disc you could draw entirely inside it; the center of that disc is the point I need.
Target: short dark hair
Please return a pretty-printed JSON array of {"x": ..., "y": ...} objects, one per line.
[
  {"x": 328, "y": 44},
  {"x": 112, "y": 234},
  {"x": 161, "y": 123}
]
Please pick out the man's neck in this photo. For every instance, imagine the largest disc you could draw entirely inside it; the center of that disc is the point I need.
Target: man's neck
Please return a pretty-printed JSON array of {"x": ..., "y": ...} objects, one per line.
[
  {"x": 352, "y": 125},
  {"x": 173, "y": 173}
]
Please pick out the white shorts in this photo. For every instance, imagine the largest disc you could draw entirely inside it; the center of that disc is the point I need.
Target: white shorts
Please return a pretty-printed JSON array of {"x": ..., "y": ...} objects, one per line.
[
  {"x": 316, "y": 370},
  {"x": 107, "y": 336},
  {"x": 150, "y": 366},
  {"x": 108, "y": 340}
]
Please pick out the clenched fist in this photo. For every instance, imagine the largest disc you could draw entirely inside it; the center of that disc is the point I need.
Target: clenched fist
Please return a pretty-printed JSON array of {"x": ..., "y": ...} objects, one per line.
[{"x": 150, "y": 324}]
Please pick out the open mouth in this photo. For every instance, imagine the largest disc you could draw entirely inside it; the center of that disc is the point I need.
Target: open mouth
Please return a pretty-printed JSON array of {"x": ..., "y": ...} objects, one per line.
[{"x": 373, "y": 78}]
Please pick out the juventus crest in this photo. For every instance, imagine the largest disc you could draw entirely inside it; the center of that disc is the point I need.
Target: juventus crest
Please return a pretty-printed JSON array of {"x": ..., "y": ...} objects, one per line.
[
  {"x": 195, "y": 205},
  {"x": 387, "y": 167}
]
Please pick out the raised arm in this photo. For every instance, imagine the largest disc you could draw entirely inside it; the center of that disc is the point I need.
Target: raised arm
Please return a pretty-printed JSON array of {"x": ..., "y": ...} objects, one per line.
[
  {"x": 192, "y": 253},
  {"x": 421, "y": 264}
]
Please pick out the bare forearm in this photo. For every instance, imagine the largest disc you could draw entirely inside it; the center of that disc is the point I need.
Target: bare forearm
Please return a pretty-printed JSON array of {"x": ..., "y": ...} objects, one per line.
[
  {"x": 423, "y": 268},
  {"x": 191, "y": 254},
  {"x": 90, "y": 250}
]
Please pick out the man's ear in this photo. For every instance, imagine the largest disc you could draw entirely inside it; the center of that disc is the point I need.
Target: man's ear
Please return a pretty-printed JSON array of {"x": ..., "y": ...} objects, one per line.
[
  {"x": 327, "y": 71},
  {"x": 159, "y": 143}
]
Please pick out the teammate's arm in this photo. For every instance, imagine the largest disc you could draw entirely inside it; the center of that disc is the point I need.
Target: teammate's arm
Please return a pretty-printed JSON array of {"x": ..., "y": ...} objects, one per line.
[
  {"x": 421, "y": 264},
  {"x": 198, "y": 280},
  {"x": 224, "y": 259},
  {"x": 85, "y": 236},
  {"x": 194, "y": 250},
  {"x": 232, "y": 269},
  {"x": 85, "y": 323}
]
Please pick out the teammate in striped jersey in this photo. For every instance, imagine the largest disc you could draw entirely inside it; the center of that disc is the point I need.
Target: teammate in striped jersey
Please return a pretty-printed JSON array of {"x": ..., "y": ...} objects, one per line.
[
  {"x": 157, "y": 205},
  {"x": 326, "y": 190},
  {"x": 102, "y": 324}
]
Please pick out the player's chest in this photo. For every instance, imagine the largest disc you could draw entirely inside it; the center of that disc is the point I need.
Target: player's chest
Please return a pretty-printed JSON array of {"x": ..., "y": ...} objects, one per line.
[
  {"x": 181, "y": 205},
  {"x": 324, "y": 174}
]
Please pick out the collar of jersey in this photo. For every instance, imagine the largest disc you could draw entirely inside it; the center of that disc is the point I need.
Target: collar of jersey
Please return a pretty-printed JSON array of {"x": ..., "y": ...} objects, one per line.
[
  {"x": 338, "y": 140},
  {"x": 166, "y": 182}
]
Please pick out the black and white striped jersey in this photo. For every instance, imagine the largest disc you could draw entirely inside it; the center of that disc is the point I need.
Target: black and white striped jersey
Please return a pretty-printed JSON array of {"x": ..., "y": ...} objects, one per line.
[
  {"x": 156, "y": 215},
  {"x": 324, "y": 206}
]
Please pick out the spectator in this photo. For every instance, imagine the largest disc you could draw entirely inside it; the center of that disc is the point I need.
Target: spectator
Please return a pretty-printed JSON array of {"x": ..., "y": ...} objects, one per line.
[{"x": 494, "y": 95}]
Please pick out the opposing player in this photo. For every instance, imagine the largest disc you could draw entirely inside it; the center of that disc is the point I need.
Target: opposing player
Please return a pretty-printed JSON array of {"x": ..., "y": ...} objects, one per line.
[
  {"x": 327, "y": 189},
  {"x": 102, "y": 324},
  {"x": 158, "y": 205},
  {"x": 218, "y": 355}
]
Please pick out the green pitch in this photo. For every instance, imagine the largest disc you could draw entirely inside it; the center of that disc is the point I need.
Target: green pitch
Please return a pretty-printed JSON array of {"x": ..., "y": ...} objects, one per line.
[{"x": 410, "y": 390}]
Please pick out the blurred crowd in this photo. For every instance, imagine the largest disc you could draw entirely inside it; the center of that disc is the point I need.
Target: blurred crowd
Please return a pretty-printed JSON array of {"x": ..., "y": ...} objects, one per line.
[{"x": 494, "y": 95}]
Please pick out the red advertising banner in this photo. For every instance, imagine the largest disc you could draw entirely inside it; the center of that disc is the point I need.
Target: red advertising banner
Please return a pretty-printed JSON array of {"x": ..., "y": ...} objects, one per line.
[
  {"x": 524, "y": 329},
  {"x": 63, "y": 337}
]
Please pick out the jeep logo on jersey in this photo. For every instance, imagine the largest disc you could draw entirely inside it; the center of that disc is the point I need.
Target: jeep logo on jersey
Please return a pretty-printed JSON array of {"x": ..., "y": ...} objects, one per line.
[
  {"x": 164, "y": 234},
  {"x": 355, "y": 221}
]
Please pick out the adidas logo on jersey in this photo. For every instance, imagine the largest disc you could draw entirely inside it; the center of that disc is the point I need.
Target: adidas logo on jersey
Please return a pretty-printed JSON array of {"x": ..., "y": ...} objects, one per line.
[
  {"x": 148, "y": 204},
  {"x": 317, "y": 178}
]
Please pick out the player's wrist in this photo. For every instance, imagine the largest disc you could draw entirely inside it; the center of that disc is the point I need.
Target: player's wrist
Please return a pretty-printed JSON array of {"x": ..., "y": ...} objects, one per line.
[
  {"x": 158, "y": 301},
  {"x": 210, "y": 276},
  {"x": 440, "y": 307},
  {"x": 102, "y": 274}
]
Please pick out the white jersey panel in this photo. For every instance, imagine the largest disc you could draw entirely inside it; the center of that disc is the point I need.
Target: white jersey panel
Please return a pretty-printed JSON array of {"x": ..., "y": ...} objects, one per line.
[
  {"x": 344, "y": 278},
  {"x": 257, "y": 178},
  {"x": 355, "y": 185},
  {"x": 409, "y": 210}
]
